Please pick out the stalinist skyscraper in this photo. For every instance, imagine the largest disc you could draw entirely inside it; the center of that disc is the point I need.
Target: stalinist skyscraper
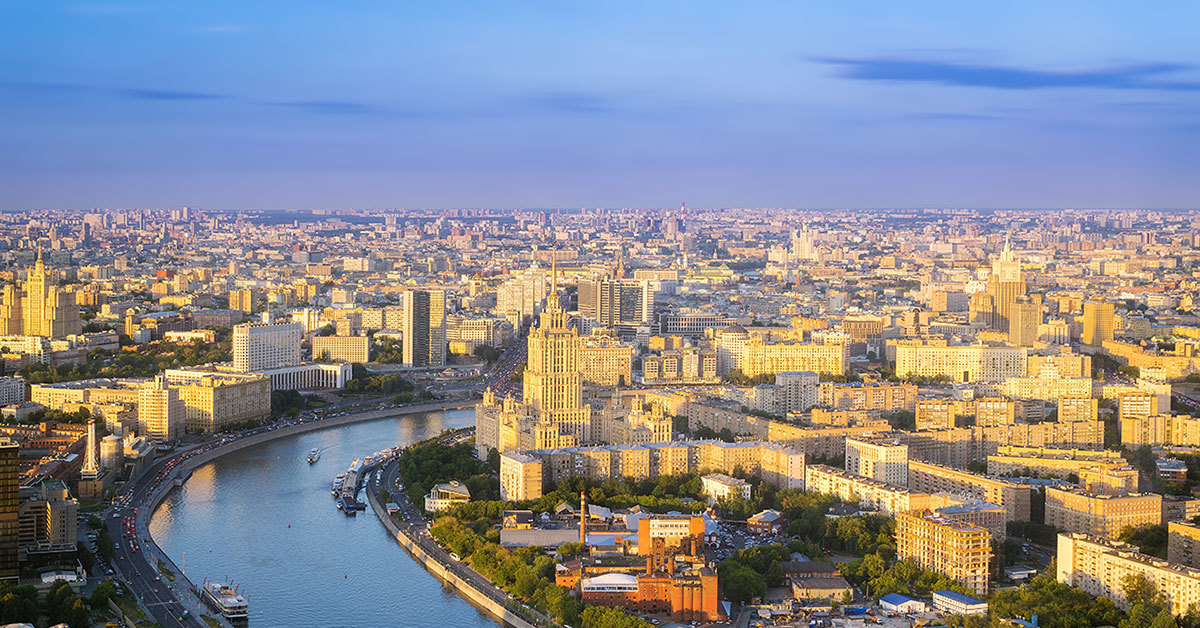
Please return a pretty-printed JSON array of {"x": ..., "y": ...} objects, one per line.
[
  {"x": 553, "y": 386},
  {"x": 44, "y": 309},
  {"x": 1005, "y": 284}
]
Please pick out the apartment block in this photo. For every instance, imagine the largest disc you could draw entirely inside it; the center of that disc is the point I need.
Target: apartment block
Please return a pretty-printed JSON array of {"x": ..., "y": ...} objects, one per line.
[
  {"x": 885, "y": 397},
  {"x": 776, "y": 464},
  {"x": 1183, "y": 543},
  {"x": 849, "y": 487},
  {"x": 352, "y": 349},
  {"x": 959, "y": 549},
  {"x": 932, "y": 478},
  {"x": 879, "y": 459},
  {"x": 1099, "y": 566},
  {"x": 1075, "y": 510},
  {"x": 959, "y": 363}
]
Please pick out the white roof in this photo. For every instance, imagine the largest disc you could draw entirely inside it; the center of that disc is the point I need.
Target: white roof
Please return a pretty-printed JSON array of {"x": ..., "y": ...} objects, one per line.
[{"x": 611, "y": 579}]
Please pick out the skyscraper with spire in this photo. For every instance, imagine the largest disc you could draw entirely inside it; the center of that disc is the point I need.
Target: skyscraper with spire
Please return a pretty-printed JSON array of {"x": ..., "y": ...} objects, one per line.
[
  {"x": 552, "y": 384},
  {"x": 1005, "y": 284},
  {"x": 42, "y": 308}
]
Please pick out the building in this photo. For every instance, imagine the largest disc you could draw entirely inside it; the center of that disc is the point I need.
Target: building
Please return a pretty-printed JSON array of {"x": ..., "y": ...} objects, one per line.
[
  {"x": 959, "y": 549},
  {"x": 1099, "y": 566},
  {"x": 520, "y": 476},
  {"x": 889, "y": 499},
  {"x": 446, "y": 496},
  {"x": 956, "y": 603},
  {"x": 766, "y": 522},
  {"x": 261, "y": 346},
  {"x": 12, "y": 391},
  {"x": 1097, "y": 323},
  {"x": 884, "y": 397},
  {"x": 686, "y": 365},
  {"x": 1075, "y": 510},
  {"x": 798, "y": 390},
  {"x": 936, "y": 414},
  {"x": 959, "y": 363},
  {"x": 1047, "y": 385},
  {"x": 424, "y": 328},
  {"x": 605, "y": 361},
  {"x": 1025, "y": 315},
  {"x": 719, "y": 487},
  {"x": 552, "y": 413},
  {"x": 903, "y": 604},
  {"x": 758, "y": 357},
  {"x": 1082, "y": 408},
  {"x": 161, "y": 414},
  {"x": 213, "y": 401},
  {"x": 10, "y": 482},
  {"x": 932, "y": 478},
  {"x": 1183, "y": 543},
  {"x": 776, "y": 464},
  {"x": 878, "y": 459},
  {"x": 352, "y": 349},
  {"x": 48, "y": 515},
  {"x": 39, "y": 307},
  {"x": 616, "y": 302}
]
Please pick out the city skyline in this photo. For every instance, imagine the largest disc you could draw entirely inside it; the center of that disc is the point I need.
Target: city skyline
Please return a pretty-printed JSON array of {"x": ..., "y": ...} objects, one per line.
[{"x": 142, "y": 105}]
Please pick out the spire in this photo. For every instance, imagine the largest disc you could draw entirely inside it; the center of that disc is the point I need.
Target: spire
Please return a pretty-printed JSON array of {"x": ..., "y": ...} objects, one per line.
[{"x": 554, "y": 282}]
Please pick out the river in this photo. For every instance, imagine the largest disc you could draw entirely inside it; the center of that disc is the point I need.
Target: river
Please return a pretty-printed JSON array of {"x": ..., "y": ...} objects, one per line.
[{"x": 232, "y": 518}]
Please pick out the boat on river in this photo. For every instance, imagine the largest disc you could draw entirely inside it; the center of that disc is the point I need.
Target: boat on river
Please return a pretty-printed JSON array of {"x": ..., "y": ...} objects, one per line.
[
  {"x": 223, "y": 598},
  {"x": 314, "y": 456}
]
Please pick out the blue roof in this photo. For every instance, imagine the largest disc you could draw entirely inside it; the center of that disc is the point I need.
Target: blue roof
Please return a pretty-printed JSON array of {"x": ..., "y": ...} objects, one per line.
[
  {"x": 961, "y": 598},
  {"x": 896, "y": 598}
]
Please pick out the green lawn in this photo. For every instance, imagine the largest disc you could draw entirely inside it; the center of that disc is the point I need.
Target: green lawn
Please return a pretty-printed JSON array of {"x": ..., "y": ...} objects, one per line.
[
  {"x": 317, "y": 403},
  {"x": 130, "y": 607},
  {"x": 166, "y": 571},
  {"x": 90, "y": 505},
  {"x": 211, "y": 621}
]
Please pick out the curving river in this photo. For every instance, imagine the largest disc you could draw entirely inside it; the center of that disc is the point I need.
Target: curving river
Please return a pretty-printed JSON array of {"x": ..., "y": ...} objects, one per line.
[{"x": 230, "y": 520}]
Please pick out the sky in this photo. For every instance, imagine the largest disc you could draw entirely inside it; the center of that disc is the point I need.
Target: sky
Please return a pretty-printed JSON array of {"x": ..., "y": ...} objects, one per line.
[{"x": 382, "y": 104}]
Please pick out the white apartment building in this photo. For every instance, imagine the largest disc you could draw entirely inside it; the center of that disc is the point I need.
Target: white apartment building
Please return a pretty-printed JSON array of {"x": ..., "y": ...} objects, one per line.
[{"x": 260, "y": 346}]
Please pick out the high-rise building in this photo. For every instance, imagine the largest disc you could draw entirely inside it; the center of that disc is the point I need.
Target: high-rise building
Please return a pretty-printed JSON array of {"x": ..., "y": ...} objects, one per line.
[
  {"x": 959, "y": 549},
  {"x": 1100, "y": 566},
  {"x": 614, "y": 302},
  {"x": 161, "y": 414},
  {"x": 1097, "y": 323},
  {"x": 883, "y": 460},
  {"x": 424, "y": 328},
  {"x": 1025, "y": 314},
  {"x": 9, "y": 509},
  {"x": 553, "y": 384},
  {"x": 353, "y": 349},
  {"x": 44, "y": 309},
  {"x": 259, "y": 346},
  {"x": 1005, "y": 284}
]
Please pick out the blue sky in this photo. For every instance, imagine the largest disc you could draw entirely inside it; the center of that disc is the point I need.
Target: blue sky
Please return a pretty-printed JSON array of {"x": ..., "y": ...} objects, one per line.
[{"x": 567, "y": 104}]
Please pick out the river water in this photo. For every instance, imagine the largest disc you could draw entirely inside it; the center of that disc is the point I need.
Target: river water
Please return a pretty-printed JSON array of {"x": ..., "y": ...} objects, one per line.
[{"x": 232, "y": 518}]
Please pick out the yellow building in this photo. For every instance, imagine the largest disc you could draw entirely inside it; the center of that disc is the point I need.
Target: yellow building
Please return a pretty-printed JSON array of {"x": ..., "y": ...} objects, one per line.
[
  {"x": 520, "y": 476},
  {"x": 213, "y": 401},
  {"x": 778, "y": 465},
  {"x": 880, "y": 459},
  {"x": 1099, "y": 567},
  {"x": 936, "y": 414},
  {"x": 932, "y": 478},
  {"x": 852, "y": 488},
  {"x": 1047, "y": 385},
  {"x": 1100, "y": 515},
  {"x": 1183, "y": 543},
  {"x": 353, "y": 349},
  {"x": 885, "y": 397},
  {"x": 40, "y": 307},
  {"x": 1097, "y": 323},
  {"x": 1082, "y": 408},
  {"x": 605, "y": 361},
  {"x": 959, "y": 363},
  {"x": 761, "y": 358},
  {"x": 994, "y": 412},
  {"x": 958, "y": 549}
]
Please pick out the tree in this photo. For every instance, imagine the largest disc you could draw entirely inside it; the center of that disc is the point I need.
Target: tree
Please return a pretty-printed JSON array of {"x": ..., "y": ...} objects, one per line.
[{"x": 743, "y": 583}]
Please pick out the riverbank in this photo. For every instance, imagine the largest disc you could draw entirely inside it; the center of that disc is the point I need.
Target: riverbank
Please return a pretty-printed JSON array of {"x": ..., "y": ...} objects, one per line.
[
  {"x": 467, "y": 583},
  {"x": 184, "y": 588}
]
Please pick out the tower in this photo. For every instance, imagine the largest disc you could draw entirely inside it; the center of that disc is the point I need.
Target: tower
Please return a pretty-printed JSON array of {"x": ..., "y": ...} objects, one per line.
[
  {"x": 1097, "y": 323},
  {"x": 91, "y": 457},
  {"x": 1005, "y": 284},
  {"x": 10, "y": 478},
  {"x": 583, "y": 519},
  {"x": 552, "y": 386}
]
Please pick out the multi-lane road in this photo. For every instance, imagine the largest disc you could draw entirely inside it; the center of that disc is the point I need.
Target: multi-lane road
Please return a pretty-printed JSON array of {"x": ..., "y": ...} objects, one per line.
[{"x": 414, "y": 525}]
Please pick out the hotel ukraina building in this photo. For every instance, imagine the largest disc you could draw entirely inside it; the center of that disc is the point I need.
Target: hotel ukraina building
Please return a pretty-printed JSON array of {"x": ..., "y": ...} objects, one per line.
[{"x": 553, "y": 414}]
